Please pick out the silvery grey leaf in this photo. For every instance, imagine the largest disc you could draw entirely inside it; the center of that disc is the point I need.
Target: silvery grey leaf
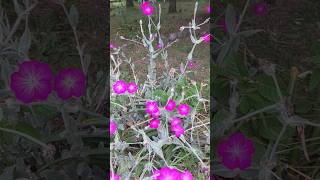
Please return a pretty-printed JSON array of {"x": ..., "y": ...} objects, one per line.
[
  {"x": 86, "y": 63},
  {"x": 249, "y": 33},
  {"x": 5, "y": 72},
  {"x": 73, "y": 16},
  {"x": 1, "y": 114},
  {"x": 17, "y": 7},
  {"x": 25, "y": 41},
  {"x": 7, "y": 173},
  {"x": 58, "y": 1},
  {"x": 231, "y": 19}
]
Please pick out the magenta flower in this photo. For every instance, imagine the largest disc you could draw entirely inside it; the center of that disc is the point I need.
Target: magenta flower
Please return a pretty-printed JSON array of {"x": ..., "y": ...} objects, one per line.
[
  {"x": 167, "y": 173},
  {"x": 146, "y": 8},
  {"x": 70, "y": 82},
  {"x": 119, "y": 87},
  {"x": 111, "y": 46},
  {"x": 175, "y": 121},
  {"x": 155, "y": 174},
  {"x": 114, "y": 176},
  {"x": 154, "y": 123},
  {"x": 152, "y": 107},
  {"x": 206, "y": 38},
  {"x": 190, "y": 64},
  {"x": 32, "y": 82},
  {"x": 260, "y": 9},
  {"x": 236, "y": 151},
  {"x": 186, "y": 175},
  {"x": 132, "y": 88},
  {"x": 170, "y": 105},
  {"x": 113, "y": 127},
  {"x": 184, "y": 109},
  {"x": 156, "y": 114},
  {"x": 159, "y": 46},
  {"x": 209, "y": 9},
  {"x": 178, "y": 130}
]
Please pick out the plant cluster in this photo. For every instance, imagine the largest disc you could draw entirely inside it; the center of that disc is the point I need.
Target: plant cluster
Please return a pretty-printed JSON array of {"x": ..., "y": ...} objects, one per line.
[
  {"x": 51, "y": 125},
  {"x": 144, "y": 113},
  {"x": 257, "y": 122}
]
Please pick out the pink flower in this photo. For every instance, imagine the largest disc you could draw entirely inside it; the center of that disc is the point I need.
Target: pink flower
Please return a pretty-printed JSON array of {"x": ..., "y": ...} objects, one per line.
[
  {"x": 155, "y": 174},
  {"x": 111, "y": 46},
  {"x": 146, "y": 8},
  {"x": 186, "y": 175},
  {"x": 178, "y": 130},
  {"x": 184, "y": 109},
  {"x": 236, "y": 151},
  {"x": 260, "y": 9},
  {"x": 113, "y": 127},
  {"x": 156, "y": 114},
  {"x": 175, "y": 121},
  {"x": 167, "y": 173},
  {"x": 132, "y": 88},
  {"x": 154, "y": 123},
  {"x": 159, "y": 46},
  {"x": 170, "y": 105},
  {"x": 70, "y": 82},
  {"x": 152, "y": 107},
  {"x": 119, "y": 87},
  {"x": 212, "y": 178},
  {"x": 190, "y": 64},
  {"x": 32, "y": 82},
  {"x": 206, "y": 38},
  {"x": 114, "y": 176},
  {"x": 208, "y": 8}
]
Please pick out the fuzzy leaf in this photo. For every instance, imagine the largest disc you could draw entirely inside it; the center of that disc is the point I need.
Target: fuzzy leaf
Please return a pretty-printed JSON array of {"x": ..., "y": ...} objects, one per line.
[
  {"x": 231, "y": 19},
  {"x": 7, "y": 173},
  {"x": 315, "y": 79},
  {"x": 249, "y": 33},
  {"x": 74, "y": 16},
  {"x": 28, "y": 129},
  {"x": 25, "y": 41}
]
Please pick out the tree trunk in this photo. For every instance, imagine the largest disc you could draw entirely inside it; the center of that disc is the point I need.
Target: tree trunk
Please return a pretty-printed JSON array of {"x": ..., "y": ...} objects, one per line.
[
  {"x": 172, "y": 6},
  {"x": 129, "y": 3}
]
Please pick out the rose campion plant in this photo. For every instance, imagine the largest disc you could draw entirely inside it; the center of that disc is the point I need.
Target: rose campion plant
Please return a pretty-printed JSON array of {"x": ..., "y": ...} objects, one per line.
[{"x": 160, "y": 110}]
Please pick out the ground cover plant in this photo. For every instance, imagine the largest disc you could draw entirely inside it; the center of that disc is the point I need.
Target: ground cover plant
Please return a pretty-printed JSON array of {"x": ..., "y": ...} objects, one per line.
[
  {"x": 159, "y": 116},
  {"x": 265, "y": 120},
  {"x": 52, "y": 114}
]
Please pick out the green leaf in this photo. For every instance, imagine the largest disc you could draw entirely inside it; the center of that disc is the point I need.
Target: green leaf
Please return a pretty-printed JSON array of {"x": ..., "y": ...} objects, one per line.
[
  {"x": 219, "y": 124},
  {"x": 74, "y": 16},
  {"x": 270, "y": 129},
  {"x": 302, "y": 106},
  {"x": 44, "y": 111},
  {"x": 161, "y": 94},
  {"x": 315, "y": 79},
  {"x": 231, "y": 19},
  {"x": 266, "y": 88},
  {"x": 244, "y": 105},
  {"x": 1, "y": 114},
  {"x": 28, "y": 129}
]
